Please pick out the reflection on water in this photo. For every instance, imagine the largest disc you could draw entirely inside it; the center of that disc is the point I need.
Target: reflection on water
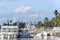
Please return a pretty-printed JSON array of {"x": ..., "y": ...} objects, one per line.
[
  {"x": 37, "y": 38},
  {"x": 49, "y": 38}
]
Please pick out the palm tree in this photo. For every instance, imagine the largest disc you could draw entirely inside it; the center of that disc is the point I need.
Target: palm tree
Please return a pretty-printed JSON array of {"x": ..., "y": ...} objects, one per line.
[
  {"x": 39, "y": 24},
  {"x": 8, "y": 22},
  {"x": 56, "y": 13},
  {"x": 46, "y": 21}
]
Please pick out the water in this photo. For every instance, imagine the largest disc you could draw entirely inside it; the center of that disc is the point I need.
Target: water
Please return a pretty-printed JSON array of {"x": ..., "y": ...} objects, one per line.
[{"x": 38, "y": 38}]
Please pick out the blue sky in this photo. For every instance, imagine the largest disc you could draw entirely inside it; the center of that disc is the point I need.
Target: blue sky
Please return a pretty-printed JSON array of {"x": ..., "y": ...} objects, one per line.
[{"x": 27, "y": 10}]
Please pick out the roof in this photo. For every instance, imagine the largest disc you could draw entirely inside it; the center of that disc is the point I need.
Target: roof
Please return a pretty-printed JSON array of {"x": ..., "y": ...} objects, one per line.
[{"x": 9, "y": 26}]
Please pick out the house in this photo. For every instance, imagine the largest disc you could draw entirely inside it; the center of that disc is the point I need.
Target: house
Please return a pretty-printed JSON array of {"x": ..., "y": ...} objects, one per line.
[
  {"x": 8, "y": 32},
  {"x": 56, "y": 29}
]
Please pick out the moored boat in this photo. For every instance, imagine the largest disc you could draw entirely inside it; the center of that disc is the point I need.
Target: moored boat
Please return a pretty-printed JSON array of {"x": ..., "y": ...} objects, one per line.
[{"x": 24, "y": 34}]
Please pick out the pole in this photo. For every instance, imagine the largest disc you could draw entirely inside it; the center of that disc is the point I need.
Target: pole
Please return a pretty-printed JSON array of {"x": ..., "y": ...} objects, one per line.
[{"x": 42, "y": 33}]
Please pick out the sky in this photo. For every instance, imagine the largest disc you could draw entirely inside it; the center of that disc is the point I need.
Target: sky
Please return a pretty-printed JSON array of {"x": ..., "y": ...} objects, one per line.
[{"x": 27, "y": 10}]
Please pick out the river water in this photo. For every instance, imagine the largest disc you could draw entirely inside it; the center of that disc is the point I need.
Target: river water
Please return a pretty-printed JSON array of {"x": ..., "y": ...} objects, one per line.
[{"x": 38, "y": 38}]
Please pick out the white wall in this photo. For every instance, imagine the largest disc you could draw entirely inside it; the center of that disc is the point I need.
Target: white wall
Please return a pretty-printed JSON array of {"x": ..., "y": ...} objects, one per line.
[{"x": 56, "y": 29}]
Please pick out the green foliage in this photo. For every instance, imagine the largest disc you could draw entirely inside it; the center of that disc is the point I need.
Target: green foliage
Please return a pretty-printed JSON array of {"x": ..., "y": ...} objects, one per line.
[
  {"x": 56, "y": 13},
  {"x": 19, "y": 24},
  {"x": 39, "y": 24},
  {"x": 54, "y": 22},
  {"x": 46, "y": 21}
]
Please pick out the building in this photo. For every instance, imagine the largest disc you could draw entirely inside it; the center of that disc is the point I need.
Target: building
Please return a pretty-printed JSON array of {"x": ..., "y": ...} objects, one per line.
[
  {"x": 56, "y": 29},
  {"x": 8, "y": 32}
]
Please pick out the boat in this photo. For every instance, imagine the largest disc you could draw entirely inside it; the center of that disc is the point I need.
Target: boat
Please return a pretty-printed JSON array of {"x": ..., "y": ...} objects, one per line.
[{"x": 24, "y": 34}]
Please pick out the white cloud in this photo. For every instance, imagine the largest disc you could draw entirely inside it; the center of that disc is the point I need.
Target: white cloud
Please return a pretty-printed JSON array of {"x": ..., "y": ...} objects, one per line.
[
  {"x": 36, "y": 15},
  {"x": 22, "y": 9},
  {"x": 33, "y": 15}
]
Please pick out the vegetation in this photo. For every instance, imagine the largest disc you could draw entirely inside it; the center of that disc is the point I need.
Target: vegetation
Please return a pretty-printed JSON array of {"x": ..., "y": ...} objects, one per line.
[
  {"x": 54, "y": 22},
  {"x": 19, "y": 24}
]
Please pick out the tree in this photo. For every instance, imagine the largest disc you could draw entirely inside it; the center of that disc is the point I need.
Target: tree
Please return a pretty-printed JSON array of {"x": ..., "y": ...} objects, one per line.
[
  {"x": 56, "y": 13},
  {"x": 39, "y": 24},
  {"x": 46, "y": 22},
  {"x": 4, "y": 24},
  {"x": 15, "y": 23},
  {"x": 10, "y": 21},
  {"x": 21, "y": 24},
  {"x": 56, "y": 20}
]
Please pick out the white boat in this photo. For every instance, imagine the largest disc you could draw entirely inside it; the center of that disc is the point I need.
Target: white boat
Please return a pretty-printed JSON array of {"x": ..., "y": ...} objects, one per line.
[
  {"x": 40, "y": 34},
  {"x": 24, "y": 34}
]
